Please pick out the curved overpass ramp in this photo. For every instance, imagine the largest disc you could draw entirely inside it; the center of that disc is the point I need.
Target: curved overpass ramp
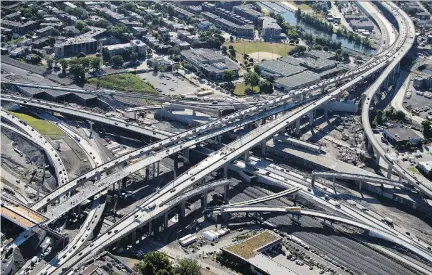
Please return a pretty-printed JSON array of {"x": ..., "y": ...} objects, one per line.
[{"x": 407, "y": 32}]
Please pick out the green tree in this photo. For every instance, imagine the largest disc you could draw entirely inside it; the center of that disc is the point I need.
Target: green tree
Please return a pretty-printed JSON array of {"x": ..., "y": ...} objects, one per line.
[
  {"x": 228, "y": 75},
  {"x": 176, "y": 67},
  {"x": 266, "y": 87},
  {"x": 231, "y": 39},
  {"x": 252, "y": 79},
  {"x": 187, "y": 267},
  {"x": 64, "y": 64},
  {"x": 49, "y": 61},
  {"x": 379, "y": 118},
  {"x": 154, "y": 263},
  {"x": 36, "y": 59},
  {"x": 232, "y": 52},
  {"x": 257, "y": 69},
  {"x": 174, "y": 50},
  {"x": 117, "y": 60},
  {"x": 78, "y": 72},
  {"x": 427, "y": 130},
  {"x": 80, "y": 25},
  {"x": 95, "y": 63}
]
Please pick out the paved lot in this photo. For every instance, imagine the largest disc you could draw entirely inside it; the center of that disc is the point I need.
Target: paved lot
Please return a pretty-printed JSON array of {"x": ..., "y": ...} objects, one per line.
[
  {"x": 416, "y": 101},
  {"x": 167, "y": 81}
]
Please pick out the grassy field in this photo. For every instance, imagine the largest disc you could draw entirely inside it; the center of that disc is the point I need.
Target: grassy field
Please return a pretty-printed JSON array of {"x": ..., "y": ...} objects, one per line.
[
  {"x": 42, "y": 126},
  {"x": 249, "y": 47},
  {"x": 413, "y": 170},
  {"x": 124, "y": 82},
  {"x": 240, "y": 89}
]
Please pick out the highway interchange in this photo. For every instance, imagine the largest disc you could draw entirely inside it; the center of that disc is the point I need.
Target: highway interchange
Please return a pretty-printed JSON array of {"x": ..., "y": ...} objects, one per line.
[{"x": 385, "y": 62}]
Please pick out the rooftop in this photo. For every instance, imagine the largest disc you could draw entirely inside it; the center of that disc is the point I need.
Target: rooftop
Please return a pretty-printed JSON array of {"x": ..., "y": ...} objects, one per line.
[
  {"x": 321, "y": 54},
  {"x": 269, "y": 22},
  {"x": 281, "y": 68},
  {"x": 298, "y": 79},
  {"x": 402, "y": 134},
  {"x": 249, "y": 248},
  {"x": 266, "y": 264}
]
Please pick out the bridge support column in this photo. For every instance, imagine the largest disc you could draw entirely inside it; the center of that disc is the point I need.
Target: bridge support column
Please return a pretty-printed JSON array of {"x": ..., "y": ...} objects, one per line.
[
  {"x": 263, "y": 121},
  {"x": 263, "y": 147},
  {"x": 225, "y": 217},
  {"x": 322, "y": 89},
  {"x": 147, "y": 172},
  {"x": 186, "y": 153},
  {"x": 153, "y": 170},
  {"x": 334, "y": 185},
  {"x": 313, "y": 181},
  {"x": 311, "y": 117},
  {"x": 226, "y": 190},
  {"x": 360, "y": 185},
  {"x": 133, "y": 236},
  {"x": 246, "y": 156},
  {"x": 204, "y": 201},
  {"x": 150, "y": 228},
  {"x": 326, "y": 112},
  {"x": 389, "y": 171},
  {"x": 165, "y": 220},
  {"x": 297, "y": 129},
  {"x": 91, "y": 129},
  {"x": 182, "y": 209},
  {"x": 157, "y": 168},
  {"x": 225, "y": 171}
]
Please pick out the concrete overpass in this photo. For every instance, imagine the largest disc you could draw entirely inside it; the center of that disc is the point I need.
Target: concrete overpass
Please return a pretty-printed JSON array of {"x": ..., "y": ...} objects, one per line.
[
  {"x": 228, "y": 153},
  {"x": 41, "y": 141},
  {"x": 407, "y": 30},
  {"x": 355, "y": 177},
  {"x": 267, "y": 198}
]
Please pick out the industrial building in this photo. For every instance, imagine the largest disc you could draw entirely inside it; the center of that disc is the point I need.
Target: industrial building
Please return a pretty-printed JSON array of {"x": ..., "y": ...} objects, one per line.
[
  {"x": 401, "y": 136},
  {"x": 251, "y": 251},
  {"x": 279, "y": 68},
  {"x": 248, "y": 13},
  {"x": 210, "y": 62},
  {"x": 297, "y": 81},
  {"x": 59, "y": 96}
]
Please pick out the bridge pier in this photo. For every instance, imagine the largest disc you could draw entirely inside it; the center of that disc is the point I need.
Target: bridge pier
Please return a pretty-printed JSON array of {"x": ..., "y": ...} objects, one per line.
[
  {"x": 297, "y": 128},
  {"x": 186, "y": 152},
  {"x": 334, "y": 185},
  {"x": 204, "y": 200},
  {"x": 263, "y": 147},
  {"x": 225, "y": 171},
  {"x": 246, "y": 156},
  {"x": 263, "y": 120},
  {"x": 147, "y": 172},
  {"x": 165, "y": 225},
  {"x": 311, "y": 117},
  {"x": 153, "y": 170},
  {"x": 133, "y": 236},
  {"x": 157, "y": 168},
  {"x": 313, "y": 181},
  {"x": 322, "y": 89},
  {"x": 182, "y": 209},
  {"x": 326, "y": 112},
  {"x": 360, "y": 185},
  {"x": 150, "y": 228},
  {"x": 389, "y": 171},
  {"x": 91, "y": 128},
  {"x": 226, "y": 190}
]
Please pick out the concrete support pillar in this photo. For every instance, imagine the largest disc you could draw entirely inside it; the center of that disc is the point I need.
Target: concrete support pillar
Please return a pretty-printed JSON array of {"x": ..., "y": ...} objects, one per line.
[
  {"x": 147, "y": 172},
  {"x": 326, "y": 112},
  {"x": 226, "y": 190},
  {"x": 91, "y": 129},
  {"x": 165, "y": 220},
  {"x": 322, "y": 89},
  {"x": 150, "y": 228},
  {"x": 297, "y": 130},
  {"x": 263, "y": 147},
  {"x": 263, "y": 120},
  {"x": 182, "y": 209},
  {"x": 377, "y": 159},
  {"x": 225, "y": 171},
  {"x": 153, "y": 169},
  {"x": 133, "y": 236},
  {"x": 186, "y": 154},
  {"x": 311, "y": 117},
  {"x": 157, "y": 168},
  {"x": 334, "y": 185},
  {"x": 246, "y": 156},
  {"x": 360, "y": 185},
  {"x": 135, "y": 115},
  {"x": 313, "y": 181},
  {"x": 204, "y": 201},
  {"x": 389, "y": 171}
]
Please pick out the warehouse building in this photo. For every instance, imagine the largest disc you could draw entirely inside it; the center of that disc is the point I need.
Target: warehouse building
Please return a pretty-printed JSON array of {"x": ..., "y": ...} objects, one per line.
[
  {"x": 297, "y": 81},
  {"x": 402, "y": 136}
]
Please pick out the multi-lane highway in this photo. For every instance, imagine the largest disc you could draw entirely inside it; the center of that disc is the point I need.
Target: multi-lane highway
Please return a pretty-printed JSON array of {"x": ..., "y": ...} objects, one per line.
[
  {"x": 232, "y": 151},
  {"x": 407, "y": 30}
]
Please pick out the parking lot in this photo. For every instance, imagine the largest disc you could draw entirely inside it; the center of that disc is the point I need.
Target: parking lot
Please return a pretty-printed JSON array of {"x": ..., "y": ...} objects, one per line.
[
  {"x": 169, "y": 84},
  {"x": 419, "y": 103}
]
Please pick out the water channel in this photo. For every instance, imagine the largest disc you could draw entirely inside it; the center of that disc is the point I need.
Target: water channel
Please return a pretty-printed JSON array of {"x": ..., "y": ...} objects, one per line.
[{"x": 291, "y": 19}]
